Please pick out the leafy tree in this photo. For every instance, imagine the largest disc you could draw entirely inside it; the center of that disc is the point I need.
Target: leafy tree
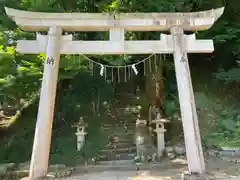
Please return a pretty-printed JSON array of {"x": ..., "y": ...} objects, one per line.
[{"x": 18, "y": 73}]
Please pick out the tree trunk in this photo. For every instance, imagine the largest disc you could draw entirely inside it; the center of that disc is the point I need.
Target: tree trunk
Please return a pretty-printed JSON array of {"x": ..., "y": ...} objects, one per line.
[{"x": 155, "y": 85}]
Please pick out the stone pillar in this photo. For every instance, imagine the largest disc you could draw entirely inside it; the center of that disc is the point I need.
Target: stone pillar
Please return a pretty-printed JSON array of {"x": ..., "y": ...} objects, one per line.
[
  {"x": 160, "y": 130},
  {"x": 140, "y": 136},
  {"x": 187, "y": 104},
  {"x": 80, "y": 137},
  {"x": 80, "y": 140},
  {"x": 160, "y": 141},
  {"x": 43, "y": 132}
]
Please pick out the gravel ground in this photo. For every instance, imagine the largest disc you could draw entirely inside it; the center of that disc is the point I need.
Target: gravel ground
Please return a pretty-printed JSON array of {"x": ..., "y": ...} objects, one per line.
[{"x": 222, "y": 170}]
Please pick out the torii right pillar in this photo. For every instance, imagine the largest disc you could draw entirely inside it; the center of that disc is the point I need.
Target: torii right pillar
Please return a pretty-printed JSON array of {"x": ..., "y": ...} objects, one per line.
[
  {"x": 183, "y": 44},
  {"x": 187, "y": 103}
]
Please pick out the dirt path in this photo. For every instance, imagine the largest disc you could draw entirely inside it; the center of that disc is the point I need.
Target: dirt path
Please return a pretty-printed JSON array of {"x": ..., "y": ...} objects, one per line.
[{"x": 222, "y": 170}]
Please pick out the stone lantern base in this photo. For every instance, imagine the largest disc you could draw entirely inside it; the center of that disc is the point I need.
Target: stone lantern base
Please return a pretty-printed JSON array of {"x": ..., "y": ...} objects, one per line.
[
  {"x": 197, "y": 176},
  {"x": 80, "y": 139}
]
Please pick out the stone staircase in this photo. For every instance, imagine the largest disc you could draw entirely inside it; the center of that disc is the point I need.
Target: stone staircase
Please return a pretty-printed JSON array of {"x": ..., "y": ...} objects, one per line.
[{"x": 121, "y": 143}]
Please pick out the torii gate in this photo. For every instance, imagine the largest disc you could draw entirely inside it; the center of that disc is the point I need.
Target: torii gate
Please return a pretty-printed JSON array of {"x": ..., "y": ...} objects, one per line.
[{"x": 55, "y": 44}]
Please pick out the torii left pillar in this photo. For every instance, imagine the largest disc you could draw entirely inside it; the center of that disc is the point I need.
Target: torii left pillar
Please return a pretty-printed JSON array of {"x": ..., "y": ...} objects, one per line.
[{"x": 42, "y": 138}]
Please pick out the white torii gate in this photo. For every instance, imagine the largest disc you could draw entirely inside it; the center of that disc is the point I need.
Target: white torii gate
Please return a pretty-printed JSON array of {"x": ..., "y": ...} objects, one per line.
[{"x": 55, "y": 44}]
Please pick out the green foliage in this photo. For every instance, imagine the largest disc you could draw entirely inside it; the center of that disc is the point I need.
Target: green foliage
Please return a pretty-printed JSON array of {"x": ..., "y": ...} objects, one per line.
[
  {"x": 75, "y": 102},
  {"x": 17, "y": 146},
  {"x": 171, "y": 106},
  {"x": 229, "y": 76},
  {"x": 30, "y": 68},
  {"x": 219, "y": 120},
  {"x": 63, "y": 148}
]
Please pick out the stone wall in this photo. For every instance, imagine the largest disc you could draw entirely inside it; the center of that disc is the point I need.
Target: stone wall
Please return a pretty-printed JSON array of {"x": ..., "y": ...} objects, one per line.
[{"x": 12, "y": 171}]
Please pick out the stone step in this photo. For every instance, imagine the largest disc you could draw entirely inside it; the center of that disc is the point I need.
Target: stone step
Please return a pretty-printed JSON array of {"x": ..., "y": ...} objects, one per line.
[
  {"x": 119, "y": 163},
  {"x": 126, "y": 130},
  {"x": 118, "y": 150},
  {"x": 124, "y": 133},
  {"x": 131, "y": 120},
  {"x": 125, "y": 115},
  {"x": 130, "y": 112},
  {"x": 126, "y": 127},
  {"x": 130, "y": 94},
  {"x": 128, "y": 108},
  {"x": 120, "y": 145},
  {"x": 120, "y": 130},
  {"x": 126, "y": 139},
  {"x": 116, "y": 157},
  {"x": 121, "y": 125}
]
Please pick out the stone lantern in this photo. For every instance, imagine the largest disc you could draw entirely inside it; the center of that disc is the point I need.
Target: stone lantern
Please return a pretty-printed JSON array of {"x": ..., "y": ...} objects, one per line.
[
  {"x": 81, "y": 133},
  {"x": 140, "y": 136},
  {"x": 160, "y": 130}
]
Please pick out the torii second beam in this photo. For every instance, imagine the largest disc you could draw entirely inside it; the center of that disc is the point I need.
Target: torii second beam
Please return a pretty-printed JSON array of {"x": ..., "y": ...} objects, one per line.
[{"x": 164, "y": 46}]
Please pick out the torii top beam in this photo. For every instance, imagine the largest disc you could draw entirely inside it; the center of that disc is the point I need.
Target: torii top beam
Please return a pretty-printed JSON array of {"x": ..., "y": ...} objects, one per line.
[{"x": 40, "y": 21}]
